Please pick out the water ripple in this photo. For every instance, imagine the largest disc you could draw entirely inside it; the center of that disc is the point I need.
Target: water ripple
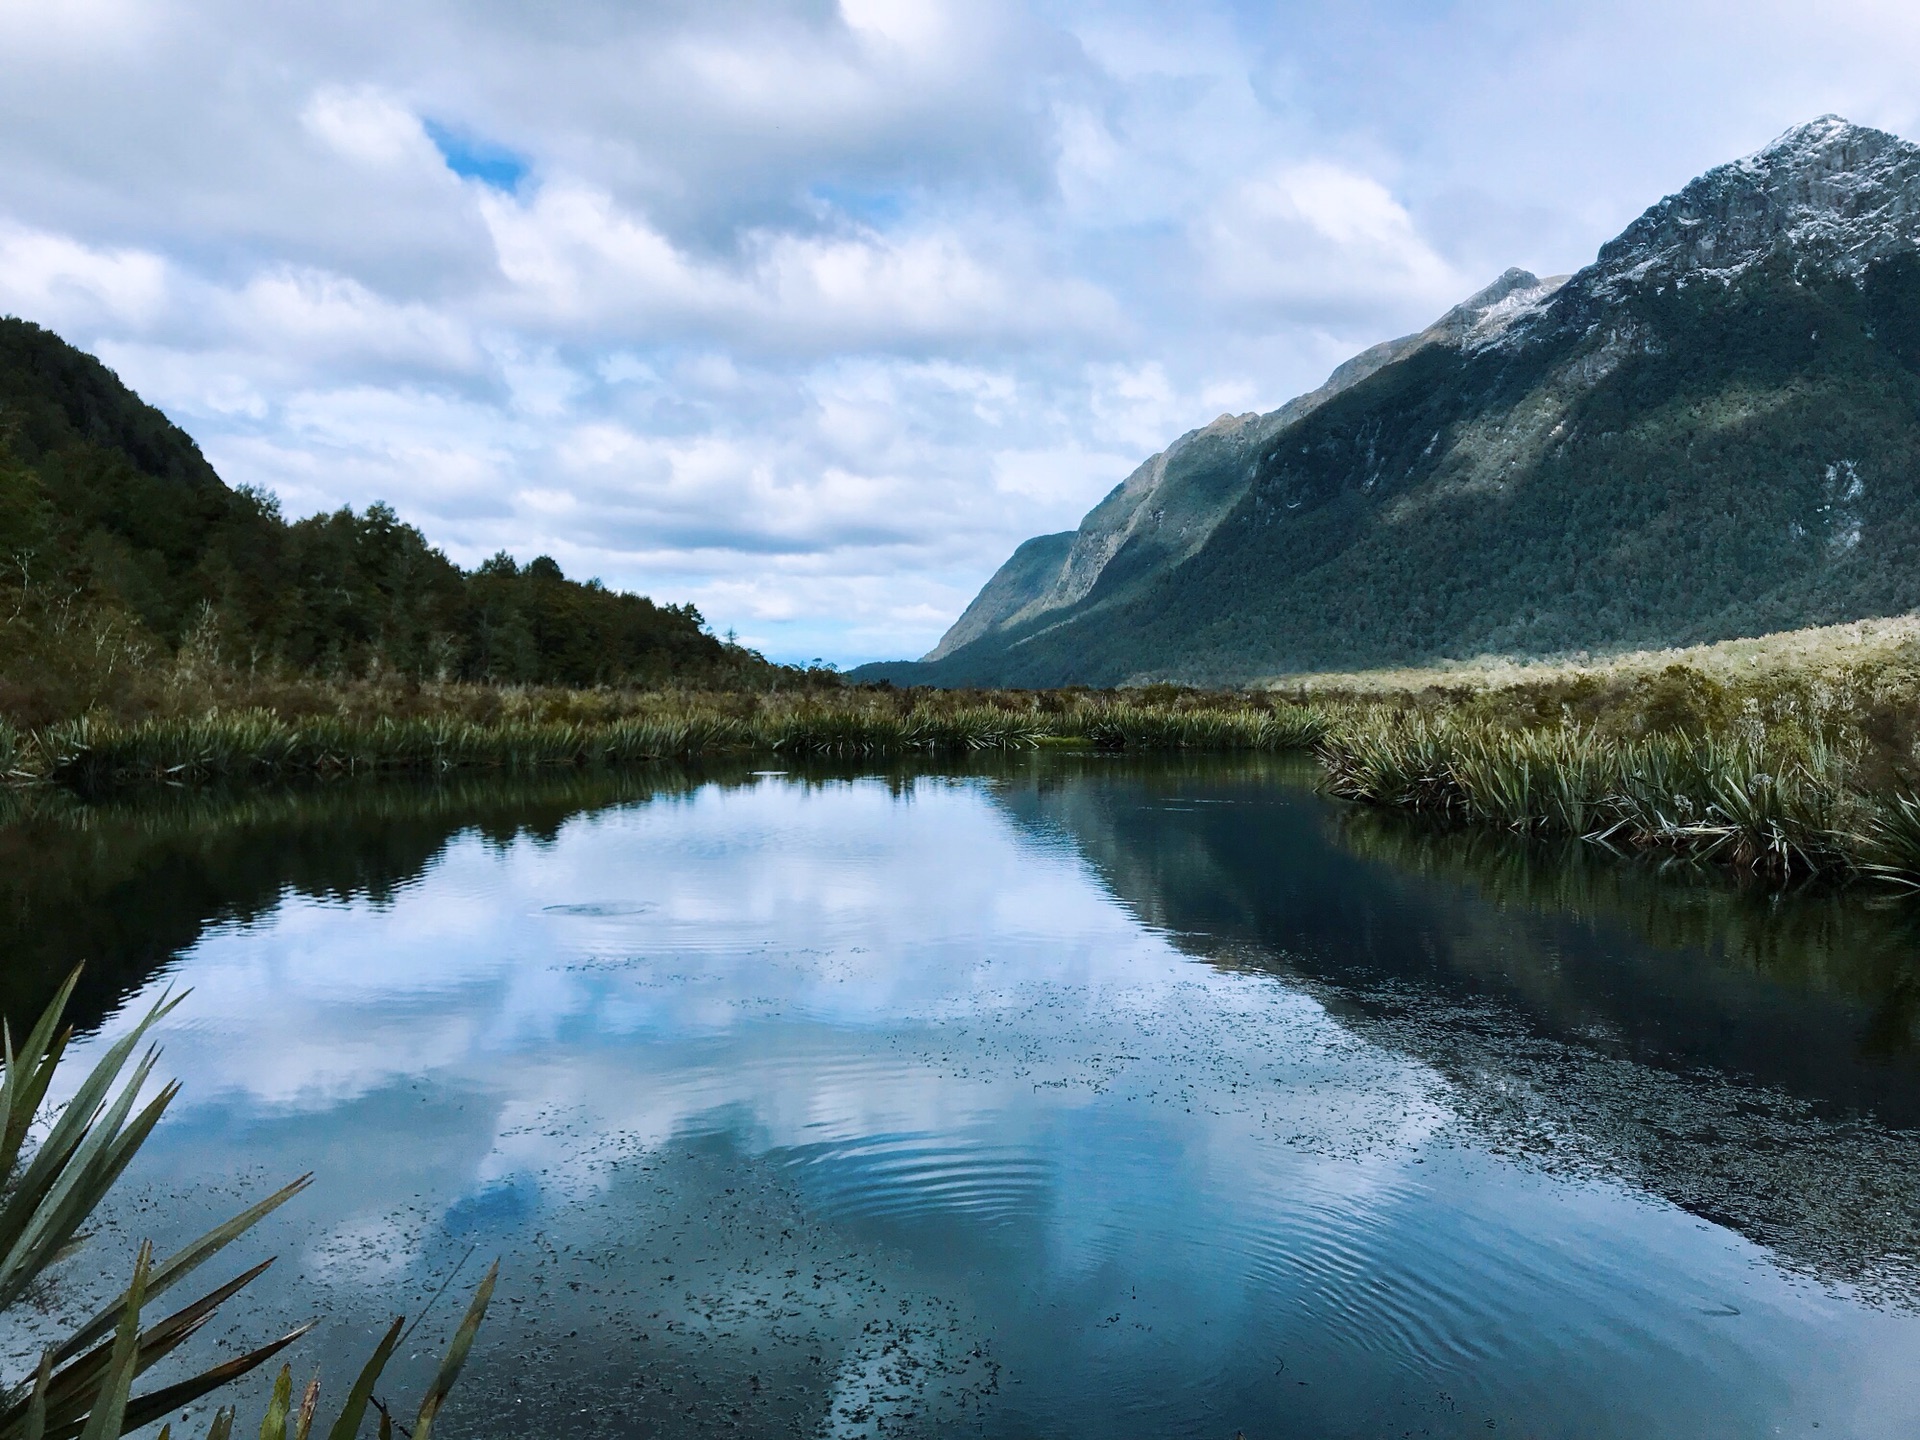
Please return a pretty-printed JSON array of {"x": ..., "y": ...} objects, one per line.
[{"x": 914, "y": 1175}]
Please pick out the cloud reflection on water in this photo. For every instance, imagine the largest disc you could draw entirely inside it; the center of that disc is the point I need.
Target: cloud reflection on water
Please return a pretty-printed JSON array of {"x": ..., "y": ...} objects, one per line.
[{"x": 776, "y": 1030}]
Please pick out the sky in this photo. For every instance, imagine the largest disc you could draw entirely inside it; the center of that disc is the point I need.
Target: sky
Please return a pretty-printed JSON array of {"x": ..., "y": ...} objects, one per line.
[{"x": 809, "y": 312}]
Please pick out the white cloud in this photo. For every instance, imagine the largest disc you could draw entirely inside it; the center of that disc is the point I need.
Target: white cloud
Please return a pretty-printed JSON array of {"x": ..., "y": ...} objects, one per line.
[
  {"x": 51, "y": 26},
  {"x": 1058, "y": 478},
  {"x": 576, "y": 259},
  {"x": 58, "y": 280},
  {"x": 913, "y": 25},
  {"x": 813, "y": 318},
  {"x": 368, "y": 127},
  {"x": 1319, "y": 238},
  {"x": 571, "y": 253},
  {"x": 318, "y": 316}
]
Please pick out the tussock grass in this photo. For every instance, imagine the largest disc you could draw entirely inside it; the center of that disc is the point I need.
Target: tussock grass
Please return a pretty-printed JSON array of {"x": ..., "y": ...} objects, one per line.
[
  {"x": 1784, "y": 806},
  {"x": 94, "y": 754},
  {"x": 89, "y": 755},
  {"x": 1788, "y": 755},
  {"x": 1122, "y": 725}
]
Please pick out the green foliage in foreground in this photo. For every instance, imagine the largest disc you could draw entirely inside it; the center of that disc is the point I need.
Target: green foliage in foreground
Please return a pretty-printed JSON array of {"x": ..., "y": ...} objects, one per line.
[{"x": 82, "y": 1388}]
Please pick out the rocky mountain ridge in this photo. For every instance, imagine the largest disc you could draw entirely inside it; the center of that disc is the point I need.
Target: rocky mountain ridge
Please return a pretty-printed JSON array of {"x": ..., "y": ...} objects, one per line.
[
  {"x": 1731, "y": 388},
  {"x": 1833, "y": 193},
  {"x": 1173, "y": 502}
]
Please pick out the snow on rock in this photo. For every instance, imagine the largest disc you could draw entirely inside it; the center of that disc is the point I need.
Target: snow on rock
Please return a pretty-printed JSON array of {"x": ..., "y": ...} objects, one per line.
[{"x": 1836, "y": 194}]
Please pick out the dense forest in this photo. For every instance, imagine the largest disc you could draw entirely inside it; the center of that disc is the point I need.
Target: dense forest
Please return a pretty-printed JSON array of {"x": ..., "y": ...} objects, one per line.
[{"x": 123, "y": 550}]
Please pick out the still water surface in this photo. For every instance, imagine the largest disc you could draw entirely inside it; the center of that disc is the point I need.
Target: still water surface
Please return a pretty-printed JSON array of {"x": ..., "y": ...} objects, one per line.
[{"x": 1061, "y": 1096}]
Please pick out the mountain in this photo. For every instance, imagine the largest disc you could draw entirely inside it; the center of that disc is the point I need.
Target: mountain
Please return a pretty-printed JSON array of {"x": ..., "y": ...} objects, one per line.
[
  {"x": 119, "y": 545},
  {"x": 1713, "y": 430}
]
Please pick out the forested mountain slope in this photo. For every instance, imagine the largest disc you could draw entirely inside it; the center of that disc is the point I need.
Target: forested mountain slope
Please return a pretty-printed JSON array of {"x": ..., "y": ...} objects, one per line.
[
  {"x": 114, "y": 530},
  {"x": 1713, "y": 430}
]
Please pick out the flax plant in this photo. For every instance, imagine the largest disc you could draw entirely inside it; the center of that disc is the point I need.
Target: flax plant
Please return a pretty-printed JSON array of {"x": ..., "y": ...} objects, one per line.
[
  {"x": 1891, "y": 842},
  {"x": 1120, "y": 725},
  {"x": 57, "y": 1171}
]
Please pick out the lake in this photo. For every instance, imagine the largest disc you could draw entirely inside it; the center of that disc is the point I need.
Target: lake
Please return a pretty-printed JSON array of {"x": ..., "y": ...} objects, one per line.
[{"x": 1049, "y": 1095}]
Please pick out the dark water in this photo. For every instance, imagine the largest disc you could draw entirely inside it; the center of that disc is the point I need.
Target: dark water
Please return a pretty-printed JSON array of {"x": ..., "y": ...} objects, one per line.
[{"x": 1065, "y": 1096}]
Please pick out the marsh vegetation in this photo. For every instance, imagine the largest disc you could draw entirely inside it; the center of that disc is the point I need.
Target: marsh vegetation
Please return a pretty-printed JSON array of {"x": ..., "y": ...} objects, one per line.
[
  {"x": 1790, "y": 756},
  {"x": 444, "y": 729}
]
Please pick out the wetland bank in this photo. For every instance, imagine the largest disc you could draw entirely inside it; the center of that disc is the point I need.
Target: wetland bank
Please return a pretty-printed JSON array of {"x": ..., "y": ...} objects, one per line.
[{"x": 1032, "y": 1092}]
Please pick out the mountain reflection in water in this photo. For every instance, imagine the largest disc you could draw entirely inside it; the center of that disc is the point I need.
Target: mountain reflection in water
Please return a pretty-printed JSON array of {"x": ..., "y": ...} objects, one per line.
[
  {"x": 1064, "y": 1095},
  {"x": 1751, "y": 1055}
]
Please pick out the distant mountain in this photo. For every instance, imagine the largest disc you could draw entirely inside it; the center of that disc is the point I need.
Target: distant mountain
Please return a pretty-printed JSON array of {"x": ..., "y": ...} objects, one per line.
[{"x": 1712, "y": 430}]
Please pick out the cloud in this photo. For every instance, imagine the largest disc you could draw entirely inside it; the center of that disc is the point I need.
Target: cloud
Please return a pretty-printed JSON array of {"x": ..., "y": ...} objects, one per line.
[
  {"x": 914, "y": 26},
  {"x": 812, "y": 312},
  {"x": 1065, "y": 473},
  {"x": 576, "y": 260},
  {"x": 369, "y": 128},
  {"x": 1319, "y": 239},
  {"x": 63, "y": 281}
]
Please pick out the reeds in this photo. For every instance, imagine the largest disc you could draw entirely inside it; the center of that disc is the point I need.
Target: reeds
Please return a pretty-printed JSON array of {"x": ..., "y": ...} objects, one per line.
[
  {"x": 1891, "y": 842},
  {"x": 1791, "y": 793},
  {"x": 1120, "y": 725},
  {"x": 1781, "y": 805},
  {"x": 90, "y": 756},
  {"x": 830, "y": 731},
  {"x": 94, "y": 755}
]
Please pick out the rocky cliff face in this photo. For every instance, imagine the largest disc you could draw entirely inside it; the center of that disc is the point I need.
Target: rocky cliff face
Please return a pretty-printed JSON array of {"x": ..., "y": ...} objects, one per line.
[
  {"x": 1831, "y": 194},
  {"x": 1713, "y": 429}
]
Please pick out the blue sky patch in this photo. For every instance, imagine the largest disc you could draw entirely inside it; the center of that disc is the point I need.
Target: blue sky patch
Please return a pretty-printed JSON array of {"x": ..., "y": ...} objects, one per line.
[
  {"x": 871, "y": 207},
  {"x": 480, "y": 160}
]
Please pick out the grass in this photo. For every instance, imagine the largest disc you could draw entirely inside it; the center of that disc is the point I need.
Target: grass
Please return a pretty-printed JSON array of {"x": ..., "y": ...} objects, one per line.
[
  {"x": 1782, "y": 808},
  {"x": 1787, "y": 755},
  {"x": 94, "y": 754}
]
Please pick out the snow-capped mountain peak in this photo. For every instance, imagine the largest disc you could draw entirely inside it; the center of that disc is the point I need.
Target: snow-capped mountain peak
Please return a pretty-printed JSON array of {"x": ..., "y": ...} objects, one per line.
[{"x": 1836, "y": 194}]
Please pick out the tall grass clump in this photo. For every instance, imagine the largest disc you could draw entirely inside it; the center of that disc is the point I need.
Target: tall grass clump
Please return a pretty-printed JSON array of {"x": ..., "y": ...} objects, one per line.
[
  {"x": 1781, "y": 805},
  {"x": 1121, "y": 725},
  {"x": 826, "y": 730},
  {"x": 1890, "y": 842},
  {"x": 93, "y": 756},
  {"x": 831, "y": 731},
  {"x": 973, "y": 728},
  {"x": 1400, "y": 761}
]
